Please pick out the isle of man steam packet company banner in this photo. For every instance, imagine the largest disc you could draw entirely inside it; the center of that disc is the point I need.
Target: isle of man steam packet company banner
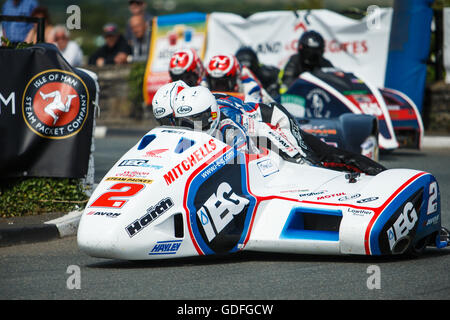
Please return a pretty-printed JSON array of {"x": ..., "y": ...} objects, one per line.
[{"x": 46, "y": 114}]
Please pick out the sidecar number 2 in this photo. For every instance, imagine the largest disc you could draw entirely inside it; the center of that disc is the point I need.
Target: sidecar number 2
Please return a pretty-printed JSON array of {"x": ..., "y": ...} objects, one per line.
[{"x": 117, "y": 195}]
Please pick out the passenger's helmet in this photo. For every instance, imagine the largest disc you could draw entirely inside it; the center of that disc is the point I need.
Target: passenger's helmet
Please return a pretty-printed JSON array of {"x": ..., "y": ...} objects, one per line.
[
  {"x": 163, "y": 102},
  {"x": 222, "y": 73},
  {"x": 311, "y": 47},
  {"x": 187, "y": 66},
  {"x": 247, "y": 57},
  {"x": 196, "y": 108}
]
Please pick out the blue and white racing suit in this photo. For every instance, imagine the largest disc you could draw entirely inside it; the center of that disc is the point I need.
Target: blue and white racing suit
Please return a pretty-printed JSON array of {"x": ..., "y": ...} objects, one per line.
[{"x": 242, "y": 124}]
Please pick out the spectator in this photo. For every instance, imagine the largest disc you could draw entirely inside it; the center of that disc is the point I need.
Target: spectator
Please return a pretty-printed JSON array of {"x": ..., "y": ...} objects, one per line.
[
  {"x": 140, "y": 37},
  {"x": 41, "y": 12},
  {"x": 138, "y": 8},
  {"x": 70, "y": 50},
  {"x": 116, "y": 49},
  {"x": 17, "y": 31}
]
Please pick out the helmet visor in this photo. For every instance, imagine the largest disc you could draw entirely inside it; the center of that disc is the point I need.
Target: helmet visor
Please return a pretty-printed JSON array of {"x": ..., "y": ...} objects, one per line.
[
  {"x": 167, "y": 120},
  {"x": 311, "y": 56},
  {"x": 201, "y": 121},
  {"x": 227, "y": 84}
]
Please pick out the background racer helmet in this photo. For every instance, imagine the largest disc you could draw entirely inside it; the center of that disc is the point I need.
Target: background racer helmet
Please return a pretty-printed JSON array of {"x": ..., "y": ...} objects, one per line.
[
  {"x": 222, "y": 73},
  {"x": 196, "y": 108},
  {"x": 186, "y": 65},
  {"x": 163, "y": 102},
  {"x": 311, "y": 47},
  {"x": 247, "y": 57}
]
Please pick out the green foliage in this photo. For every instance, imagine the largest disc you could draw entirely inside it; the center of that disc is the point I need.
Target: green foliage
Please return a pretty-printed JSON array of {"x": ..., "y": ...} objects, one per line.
[
  {"x": 136, "y": 82},
  {"x": 8, "y": 44},
  {"x": 33, "y": 196}
]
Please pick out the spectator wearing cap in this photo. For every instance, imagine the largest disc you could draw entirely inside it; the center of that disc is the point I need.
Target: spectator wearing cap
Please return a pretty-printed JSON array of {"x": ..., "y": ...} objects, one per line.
[
  {"x": 70, "y": 50},
  {"x": 17, "y": 31},
  {"x": 115, "y": 50},
  {"x": 140, "y": 38}
]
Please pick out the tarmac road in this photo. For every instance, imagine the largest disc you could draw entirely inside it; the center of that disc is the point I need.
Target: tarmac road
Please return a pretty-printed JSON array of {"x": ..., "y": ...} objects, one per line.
[{"x": 46, "y": 270}]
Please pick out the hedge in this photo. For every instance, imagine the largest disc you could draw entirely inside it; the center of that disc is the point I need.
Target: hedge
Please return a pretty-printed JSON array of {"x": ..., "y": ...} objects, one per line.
[{"x": 34, "y": 196}]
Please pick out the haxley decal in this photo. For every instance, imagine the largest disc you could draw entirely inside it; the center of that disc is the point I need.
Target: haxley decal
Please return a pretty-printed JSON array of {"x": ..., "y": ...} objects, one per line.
[{"x": 55, "y": 104}]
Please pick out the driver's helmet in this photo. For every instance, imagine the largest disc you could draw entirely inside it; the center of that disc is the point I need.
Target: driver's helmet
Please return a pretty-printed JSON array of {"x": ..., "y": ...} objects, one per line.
[
  {"x": 163, "y": 102},
  {"x": 196, "y": 108},
  {"x": 247, "y": 57},
  {"x": 186, "y": 65},
  {"x": 222, "y": 73},
  {"x": 311, "y": 47}
]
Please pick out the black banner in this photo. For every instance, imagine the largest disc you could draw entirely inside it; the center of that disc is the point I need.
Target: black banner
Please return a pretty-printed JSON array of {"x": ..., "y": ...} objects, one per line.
[{"x": 46, "y": 114}]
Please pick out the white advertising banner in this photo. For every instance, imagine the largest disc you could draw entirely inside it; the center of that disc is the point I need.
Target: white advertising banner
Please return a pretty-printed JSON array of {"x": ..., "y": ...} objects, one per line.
[{"x": 359, "y": 46}]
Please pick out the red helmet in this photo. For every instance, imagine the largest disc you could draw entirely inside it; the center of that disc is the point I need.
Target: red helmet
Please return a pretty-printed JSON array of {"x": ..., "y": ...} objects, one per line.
[
  {"x": 222, "y": 72},
  {"x": 186, "y": 65}
]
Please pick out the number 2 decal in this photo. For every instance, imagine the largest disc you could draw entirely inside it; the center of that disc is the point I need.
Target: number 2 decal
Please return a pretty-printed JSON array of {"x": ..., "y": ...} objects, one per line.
[
  {"x": 432, "y": 203},
  {"x": 117, "y": 196}
]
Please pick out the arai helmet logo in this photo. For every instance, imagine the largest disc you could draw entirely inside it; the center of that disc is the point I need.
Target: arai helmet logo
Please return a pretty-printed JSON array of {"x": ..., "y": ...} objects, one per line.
[
  {"x": 184, "y": 109},
  {"x": 159, "y": 111}
]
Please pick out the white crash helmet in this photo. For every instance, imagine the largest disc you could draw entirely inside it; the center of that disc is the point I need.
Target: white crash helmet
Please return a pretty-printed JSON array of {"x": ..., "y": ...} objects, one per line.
[
  {"x": 163, "y": 101},
  {"x": 196, "y": 108}
]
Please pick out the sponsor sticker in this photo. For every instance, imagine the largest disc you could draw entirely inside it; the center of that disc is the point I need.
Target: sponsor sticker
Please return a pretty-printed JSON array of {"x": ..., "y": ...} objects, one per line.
[
  {"x": 219, "y": 210},
  {"x": 151, "y": 215},
  {"x": 139, "y": 163},
  {"x": 103, "y": 214},
  {"x": 191, "y": 161},
  {"x": 165, "y": 247},
  {"x": 267, "y": 168},
  {"x": 367, "y": 199},
  {"x": 347, "y": 198},
  {"x": 126, "y": 179}
]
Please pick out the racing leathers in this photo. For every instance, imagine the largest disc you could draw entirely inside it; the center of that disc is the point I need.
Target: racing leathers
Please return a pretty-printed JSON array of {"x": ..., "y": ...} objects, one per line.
[
  {"x": 243, "y": 124},
  {"x": 250, "y": 90},
  {"x": 294, "y": 67}
]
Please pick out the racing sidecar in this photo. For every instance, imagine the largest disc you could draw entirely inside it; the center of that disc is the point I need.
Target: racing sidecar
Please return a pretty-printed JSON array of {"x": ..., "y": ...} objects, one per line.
[
  {"x": 328, "y": 93},
  {"x": 180, "y": 193}
]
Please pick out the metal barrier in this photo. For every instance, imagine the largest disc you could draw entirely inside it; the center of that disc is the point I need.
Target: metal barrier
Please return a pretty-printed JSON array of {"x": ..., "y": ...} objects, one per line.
[{"x": 40, "y": 22}]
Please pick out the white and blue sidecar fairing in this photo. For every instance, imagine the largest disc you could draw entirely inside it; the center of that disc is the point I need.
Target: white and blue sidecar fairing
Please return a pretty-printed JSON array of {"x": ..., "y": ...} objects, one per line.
[{"x": 180, "y": 193}]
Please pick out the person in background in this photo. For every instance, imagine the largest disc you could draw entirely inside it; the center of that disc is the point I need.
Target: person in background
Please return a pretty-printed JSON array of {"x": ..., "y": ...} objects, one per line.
[
  {"x": 140, "y": 38},
  {"x": 138, "y": 8},
  {"x": 115, "y": 51},
  {"x": 41, "y": 12},
  {"x": 70, "y": 50},
  {"x": 309, "y": 56},
  {"x": 267, "y": 75},
  {"x": 225, "y": 74},
  {"x": 17, "y": 31}
]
